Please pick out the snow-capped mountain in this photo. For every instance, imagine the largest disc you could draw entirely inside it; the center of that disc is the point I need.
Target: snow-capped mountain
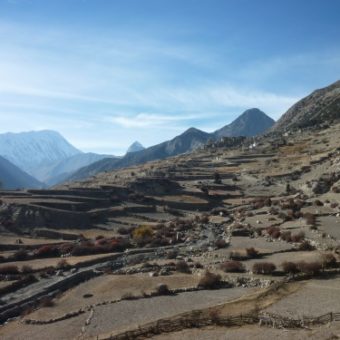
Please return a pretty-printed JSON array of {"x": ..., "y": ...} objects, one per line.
[{"x": 35, "y": 150}]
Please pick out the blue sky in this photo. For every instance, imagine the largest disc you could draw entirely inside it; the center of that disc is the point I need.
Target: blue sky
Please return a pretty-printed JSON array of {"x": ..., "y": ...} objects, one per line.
[{"x": 105, "y": 73}]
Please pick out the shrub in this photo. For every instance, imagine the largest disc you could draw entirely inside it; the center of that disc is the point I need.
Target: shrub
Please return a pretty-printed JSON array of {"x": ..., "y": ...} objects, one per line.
[
  {"x": 20, "y": 255},
  {"x": 220, "y": 243},
  {"x": 312, "y": 268},
  {"x": 46, "y": 302},
  {"x": 233, "y": 267},
  {"x": 63, "y": 264},
  {"x": 265, "y": 268},
  {"x": 182, "y": 267},
  {"x": 252, "y": 252},
  {"x": 286, "y": 236},
  {"x": 329, "y": 261},
  {"x": 318, "y": 203},
  {"x": 162, "y": 289},
  {"x": 124, "y": 231},
  {"x": 9, "y": 269},
  {"x": 128, "y": 296},
  {"x": 142, "y": 234},
  {"x": 205, "y": 218},
  {"x": 299, "y": 237},
  {"x": 235, "y": 255},
  {"x": 274, "y": 232},
  {"x": 198, "y": 265},
  {"x": 172, "y": 254},
  {"x": 310, "y": 218},
  {"x": 66, "y": 248},
  {"x": 290, "y": 267},
  {"x": 25, "y": 269},
  {"x": 217, "y": 178},
  {"x": 47, "y": 251},
  {"x": 306, "y": 246},
  {"x": 210, "y": 281}
]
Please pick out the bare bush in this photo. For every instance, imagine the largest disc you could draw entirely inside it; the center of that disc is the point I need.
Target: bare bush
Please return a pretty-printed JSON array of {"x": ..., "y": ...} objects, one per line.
[
  {"x": 252, "y": 252},
  {"x": 232, "y": 267},
  {"x": 298, "y": 237},
  {"x": 210, "y": 281},
  {"x": 162, "y": 289},
  {"x": 312, "y": 268},
  {"x": 265, "y": 268},
  {"x": 306, "y": 246},
  {"x": 289, "y": 267},
  {"x": 9, "y": 269},
  {"x": 183, "y": 267},
  {"x": 329, "y": 261}
]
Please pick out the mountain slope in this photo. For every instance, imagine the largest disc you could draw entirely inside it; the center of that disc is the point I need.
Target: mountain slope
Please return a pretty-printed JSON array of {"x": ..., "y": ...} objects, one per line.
[
  {"x": 65, "y": 168},
  {"x": 187, "y": 141},
  {"x": 321, "y": 106},
  {"x": 134, "y": 147},
  {"x": 11, "y": 177},
  {"x": 250, "y": 123},
  {"x": 34, "y": 151}
]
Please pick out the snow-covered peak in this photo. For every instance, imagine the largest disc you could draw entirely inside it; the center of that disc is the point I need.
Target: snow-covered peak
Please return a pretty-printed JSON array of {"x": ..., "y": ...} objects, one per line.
[{"x": 30, "y": 150}]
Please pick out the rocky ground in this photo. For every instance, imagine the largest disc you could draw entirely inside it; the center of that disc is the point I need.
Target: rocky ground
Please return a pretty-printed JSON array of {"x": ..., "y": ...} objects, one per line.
[{"x": 168, "y": 237}]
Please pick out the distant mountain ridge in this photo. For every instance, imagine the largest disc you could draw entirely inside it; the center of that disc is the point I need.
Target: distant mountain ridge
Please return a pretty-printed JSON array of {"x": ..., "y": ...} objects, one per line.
[
  {"x": 11, "y": 177},
  {"x": 251, "y": 123},
  {"x": 186, "y": 142},
  {"x": 321, "y": 106},
  {"x": 134, "y": 147}
]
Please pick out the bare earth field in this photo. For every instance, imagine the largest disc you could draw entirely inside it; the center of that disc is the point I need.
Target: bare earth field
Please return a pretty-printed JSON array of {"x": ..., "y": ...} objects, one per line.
[{"x": 223, "y": 239}]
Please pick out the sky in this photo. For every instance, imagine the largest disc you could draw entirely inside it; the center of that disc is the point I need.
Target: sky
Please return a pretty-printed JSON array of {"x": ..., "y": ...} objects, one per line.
[{"x": 105, "y": 73}]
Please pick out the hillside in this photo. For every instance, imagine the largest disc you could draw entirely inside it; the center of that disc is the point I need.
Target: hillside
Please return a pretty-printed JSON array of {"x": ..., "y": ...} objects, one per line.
[
  {"x": 11, "y": 177},
  {"x": 35, "y": 151},
  {"x": 187, "y": 141},
  {"x": 65, "y": 168},
  {"x": 250, "y": 123},
  {"x": 322, "y": 106}
]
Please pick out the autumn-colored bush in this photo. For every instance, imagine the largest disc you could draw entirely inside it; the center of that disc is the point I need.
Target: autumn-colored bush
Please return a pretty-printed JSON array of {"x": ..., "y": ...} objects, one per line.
[
  {"x": 232, "y": 267},
  {"x": 142, "y": 234},
  {"x": 265, "y": 268},
  {"x": 47, "y": 251},
  {"x": 210, "y": 281}
]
